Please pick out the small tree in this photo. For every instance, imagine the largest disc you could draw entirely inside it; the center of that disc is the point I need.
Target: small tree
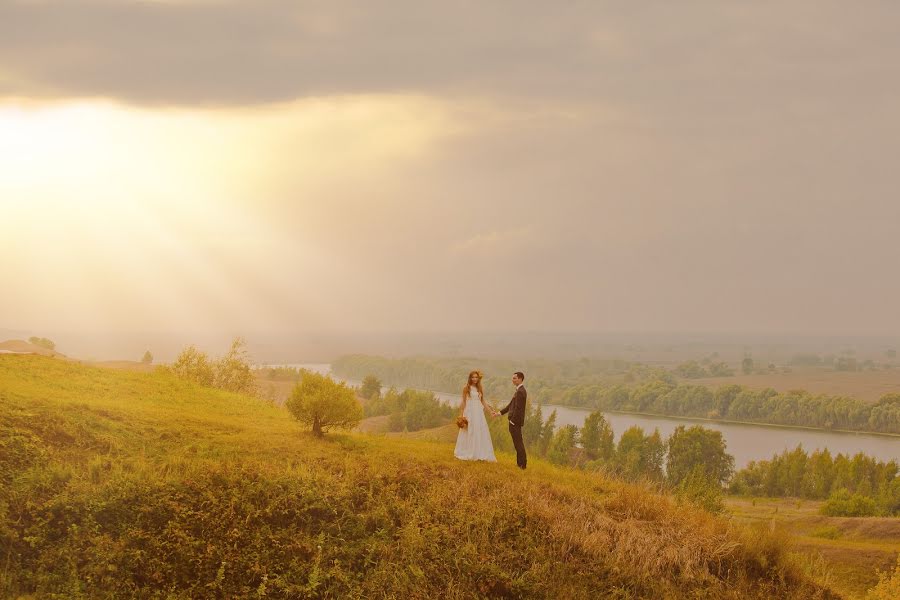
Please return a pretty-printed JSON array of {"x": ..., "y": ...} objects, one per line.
[
  {"x": 193, "y": 365},
  {"x": 562, "y": 444},
  {"x": 747, "y": 365},
  {"x": 147, "y": 358},
  {"x": 322, "y": 403},
  {"x": 371, "y": 386},
  {"x": 597, "y": 437},
  {"x": 696, "y": 446},
  {"x": 697, "y": 489},
  {"x": 232, "y": 371}
]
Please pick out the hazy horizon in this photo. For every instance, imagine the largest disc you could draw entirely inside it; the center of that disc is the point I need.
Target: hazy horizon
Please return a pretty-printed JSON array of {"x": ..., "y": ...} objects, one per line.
[{"x": 275, "y": 167}]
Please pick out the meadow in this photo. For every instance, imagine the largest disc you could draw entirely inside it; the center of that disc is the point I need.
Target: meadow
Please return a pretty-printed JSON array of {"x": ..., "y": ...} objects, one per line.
[{"x": 130, "y": 484}]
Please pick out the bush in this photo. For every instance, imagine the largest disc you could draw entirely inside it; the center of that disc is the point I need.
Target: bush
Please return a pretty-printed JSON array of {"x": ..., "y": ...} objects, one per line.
[
  {"x": 844, "y": 504},
  {"x": 698, "y": 489},
  {"x": 888, "y": 587},
  {"x": 42, "y": 342},
  {"x": 194, "y": 365},
  {"x": 322, "y": 403}
]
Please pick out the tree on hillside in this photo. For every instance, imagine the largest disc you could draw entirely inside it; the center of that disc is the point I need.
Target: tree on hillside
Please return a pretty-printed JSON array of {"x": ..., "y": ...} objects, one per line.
[
  {"x": 697, "y": 489},
  {"x": 42, "y": 342},
  {"x": 547, "y": 434},
  {"x": 322, "y": 403},
  {"x": 597, "y": 437},
  {"x": 194, "y": 365},
  {"x": 562, "y": 444},
  {"x": 697, "y": 446},
  {"x": 371, "y": 387},
  {"x": 639, "y": 455},
  {"x": 232, "y": 372},
  {"x": 147, "y": 358}
]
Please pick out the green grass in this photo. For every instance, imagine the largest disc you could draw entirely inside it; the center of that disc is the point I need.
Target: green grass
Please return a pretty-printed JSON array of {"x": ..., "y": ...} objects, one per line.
[{"x": 125, "y": 484}]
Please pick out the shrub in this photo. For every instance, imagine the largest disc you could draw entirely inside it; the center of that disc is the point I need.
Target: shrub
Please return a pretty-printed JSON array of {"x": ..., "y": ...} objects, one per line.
[
  {"x": 194, "y": 365},
  {"x": 322, "y": 403},
  {"x": 844, "y": 504},
  {"x": 888, "y": 587}
]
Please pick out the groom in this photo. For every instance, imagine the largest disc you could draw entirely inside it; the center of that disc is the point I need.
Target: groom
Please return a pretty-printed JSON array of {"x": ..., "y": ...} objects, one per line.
[{"x": 516, "y": 410}]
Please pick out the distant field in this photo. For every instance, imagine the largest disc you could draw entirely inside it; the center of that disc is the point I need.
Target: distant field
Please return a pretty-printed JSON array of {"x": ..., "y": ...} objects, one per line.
[
  {"x": 842, "y": 552},
  {"x": 865, "y": 385}
]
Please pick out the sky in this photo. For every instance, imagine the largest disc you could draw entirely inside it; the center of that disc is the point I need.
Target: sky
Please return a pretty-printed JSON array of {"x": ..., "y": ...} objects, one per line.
[{"x": 279, "y": 166}]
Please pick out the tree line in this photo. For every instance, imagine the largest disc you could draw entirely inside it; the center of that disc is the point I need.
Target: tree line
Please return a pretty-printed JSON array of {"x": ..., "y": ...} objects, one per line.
[
  {"x": 630, "y": 387},
  {"x": 856, "y": 486},
  {"x": 692, "y": 462}
]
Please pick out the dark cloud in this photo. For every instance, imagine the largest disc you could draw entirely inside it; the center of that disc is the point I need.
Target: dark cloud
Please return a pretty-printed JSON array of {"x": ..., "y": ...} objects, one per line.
[{"x": 687, "y": 57}]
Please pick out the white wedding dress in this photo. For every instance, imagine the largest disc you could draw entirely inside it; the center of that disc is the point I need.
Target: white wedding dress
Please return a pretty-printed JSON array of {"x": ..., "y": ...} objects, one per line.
[{"x": 474, "y": 442}]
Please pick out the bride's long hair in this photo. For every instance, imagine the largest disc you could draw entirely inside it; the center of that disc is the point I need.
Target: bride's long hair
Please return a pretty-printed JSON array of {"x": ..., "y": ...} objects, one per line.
[{"x": 467, "y": 391}]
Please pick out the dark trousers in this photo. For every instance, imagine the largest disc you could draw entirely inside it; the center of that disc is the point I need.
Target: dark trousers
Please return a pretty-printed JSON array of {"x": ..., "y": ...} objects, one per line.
[{"x": 516, "y": 432}]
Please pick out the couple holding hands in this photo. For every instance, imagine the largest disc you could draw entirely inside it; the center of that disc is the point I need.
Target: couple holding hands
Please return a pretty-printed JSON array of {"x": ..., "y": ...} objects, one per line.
[{"x": 474, "y": 440}]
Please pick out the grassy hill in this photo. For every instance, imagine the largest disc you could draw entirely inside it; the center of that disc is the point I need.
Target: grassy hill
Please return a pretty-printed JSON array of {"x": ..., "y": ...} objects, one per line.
[{"x": 128, "y": 484}]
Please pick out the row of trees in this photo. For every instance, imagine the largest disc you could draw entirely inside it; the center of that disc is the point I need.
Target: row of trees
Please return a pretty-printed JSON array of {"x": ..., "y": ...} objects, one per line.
[
  {"x": 734, "y": 402},
  {"x": 410, "y": 410},
  {"x": 627, "y": 387},
  {"x": 854, "y": 486},
  {"x": 692, "y": 462},
  {"x": 695, "y": 370}
]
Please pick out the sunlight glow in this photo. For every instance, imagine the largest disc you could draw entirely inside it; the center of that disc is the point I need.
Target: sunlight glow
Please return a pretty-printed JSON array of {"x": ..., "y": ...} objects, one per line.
[{"x": 155, "y": 215}]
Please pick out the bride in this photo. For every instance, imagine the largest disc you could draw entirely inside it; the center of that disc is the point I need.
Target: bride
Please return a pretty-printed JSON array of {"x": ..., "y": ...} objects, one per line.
[{"x": 474, "y": 442}]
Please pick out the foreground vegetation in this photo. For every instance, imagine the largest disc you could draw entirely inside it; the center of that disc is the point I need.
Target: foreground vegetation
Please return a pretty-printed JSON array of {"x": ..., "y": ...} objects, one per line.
[
  {"x": 143, "y": 485},
  {"x": 846, "y": 553},
  {"x": 628, "y": 387}
]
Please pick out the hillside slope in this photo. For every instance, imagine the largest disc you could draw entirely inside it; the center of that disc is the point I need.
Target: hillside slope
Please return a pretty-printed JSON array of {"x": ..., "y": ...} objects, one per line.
[{"x": 127, "y": 484}]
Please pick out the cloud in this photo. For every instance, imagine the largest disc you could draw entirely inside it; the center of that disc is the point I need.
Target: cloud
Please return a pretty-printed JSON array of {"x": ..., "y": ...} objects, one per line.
[{"x": 495, "y": 243}]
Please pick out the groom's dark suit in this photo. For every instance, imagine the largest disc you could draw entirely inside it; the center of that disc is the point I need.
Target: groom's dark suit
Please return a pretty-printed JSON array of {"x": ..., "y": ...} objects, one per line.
[{"x": 516, "y": 416}]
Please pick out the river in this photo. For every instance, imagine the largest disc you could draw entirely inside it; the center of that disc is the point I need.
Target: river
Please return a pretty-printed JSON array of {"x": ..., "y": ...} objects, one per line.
[{"x": 746, "y": 442}]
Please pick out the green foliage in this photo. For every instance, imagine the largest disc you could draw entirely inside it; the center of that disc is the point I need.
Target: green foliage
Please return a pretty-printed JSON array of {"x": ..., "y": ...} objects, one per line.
[
  {"x": 817, "y": 476},
  {"x": 695, "y": 447},
  {"x": 411, "y": 410},
  {"x": 147, "y": 358},
  {"x": 42, "y": 342},
  {"x": 640, "y": 456},
  {"x": 699, "y": 489},
  {"x": 597, "y": 437},
  {"x": 232, "y": 372},
  {"x": 370, "y": 388},
  {"x": 194, "y": 365},
  {"x": 842, "y": 503},
  {"x": 322, "y": 403},
  {"x": 561, "y": 446},
  {"x": 626, "y": 387},
  {"x": 694, "y": 370}
]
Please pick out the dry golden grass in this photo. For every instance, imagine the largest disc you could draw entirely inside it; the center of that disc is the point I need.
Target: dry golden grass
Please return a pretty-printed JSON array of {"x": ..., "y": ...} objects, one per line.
[
  {"x": 845, "y": 552},
  {"x": 129, "y": 484}
]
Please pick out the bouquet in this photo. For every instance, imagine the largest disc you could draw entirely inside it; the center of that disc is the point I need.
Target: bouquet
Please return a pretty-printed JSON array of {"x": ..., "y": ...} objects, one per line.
[{"x": 462, "y": 422}]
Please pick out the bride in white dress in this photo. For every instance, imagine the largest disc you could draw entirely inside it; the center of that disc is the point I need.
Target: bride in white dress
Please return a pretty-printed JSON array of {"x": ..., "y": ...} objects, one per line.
[{"x": 474, "y": 442}]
